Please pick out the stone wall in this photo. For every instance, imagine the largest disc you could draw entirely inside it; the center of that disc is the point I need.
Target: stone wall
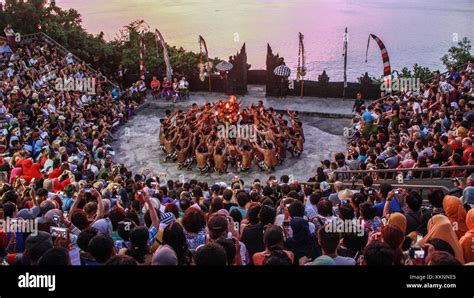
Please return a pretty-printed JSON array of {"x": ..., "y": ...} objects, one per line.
[{"x": 335, "y": 89}]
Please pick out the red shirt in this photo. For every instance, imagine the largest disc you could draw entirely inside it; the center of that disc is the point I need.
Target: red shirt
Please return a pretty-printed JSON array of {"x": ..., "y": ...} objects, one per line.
[
  {"x": 155, "y": 84},
  {"x": 466, "y": 153}
]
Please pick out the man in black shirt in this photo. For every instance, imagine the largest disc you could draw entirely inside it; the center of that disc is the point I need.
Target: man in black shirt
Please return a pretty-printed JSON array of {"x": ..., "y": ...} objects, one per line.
[
  {"x": 227, "y": 199},
  {"x": 358, "y": 103}
]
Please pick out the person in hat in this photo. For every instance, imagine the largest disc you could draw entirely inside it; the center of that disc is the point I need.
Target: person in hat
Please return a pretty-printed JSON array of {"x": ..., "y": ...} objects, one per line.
[
  {"x": 325, "y": 187},
  {"x": 345, "y": 196}
]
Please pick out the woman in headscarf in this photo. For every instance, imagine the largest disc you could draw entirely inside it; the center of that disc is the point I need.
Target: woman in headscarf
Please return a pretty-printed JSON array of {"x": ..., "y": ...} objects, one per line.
[
  {"x": 467, "y": 240},
  {"x": 16, "y": 172},
  {"x": 394, "y": 237},
  {"x": 302, "y": 243},
  {"x": 456, "y": 213},
  {"x": 399, "y": 220},
  {"x": 439, "y": 227}
]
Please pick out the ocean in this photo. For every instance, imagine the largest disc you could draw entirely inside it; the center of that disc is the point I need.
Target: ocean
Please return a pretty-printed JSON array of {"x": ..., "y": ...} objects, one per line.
[{"x": 414, "y": 31}]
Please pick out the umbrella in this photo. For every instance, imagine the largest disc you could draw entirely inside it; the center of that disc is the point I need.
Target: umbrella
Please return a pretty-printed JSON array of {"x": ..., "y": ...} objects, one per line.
[
  {"x": 224, "y": 66},
  {"x": 282, "y": 71}
]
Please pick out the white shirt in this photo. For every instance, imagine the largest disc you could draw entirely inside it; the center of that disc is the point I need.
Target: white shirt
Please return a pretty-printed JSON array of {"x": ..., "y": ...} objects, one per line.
[
  {"x": 446, "y": 87},
  {"x": 416, "y": 107},
  {"x": 183, "y": 84}
]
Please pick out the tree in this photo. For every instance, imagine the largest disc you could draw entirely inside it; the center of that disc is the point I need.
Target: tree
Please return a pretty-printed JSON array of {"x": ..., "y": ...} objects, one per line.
[
  {"x": 62, "y": 25},
  {"x": 459, "y": 55},
  {"x": 421, "y": 72},
  {"x": 65, "y": 26},
  {"x": 127, "y": 46}
]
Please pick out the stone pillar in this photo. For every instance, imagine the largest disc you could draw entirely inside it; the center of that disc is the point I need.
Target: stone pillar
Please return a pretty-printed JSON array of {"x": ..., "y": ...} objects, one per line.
[
  {"x": 276, "y": 86},
  {"x": 237, "y": 76}
]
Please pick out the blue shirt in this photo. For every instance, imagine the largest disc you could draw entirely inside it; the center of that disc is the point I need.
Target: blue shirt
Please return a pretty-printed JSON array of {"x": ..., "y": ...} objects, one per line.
[
  {"x": 367, "y": 116},
  {"x": 166, "y": 200},
  {"x": 115, "y": 94},
  {"x": 242, "y": 211},
  {"x": 67, "y": 202},
  {"x": 394, "y": 207},
  {"x": 392, "y": 162}
]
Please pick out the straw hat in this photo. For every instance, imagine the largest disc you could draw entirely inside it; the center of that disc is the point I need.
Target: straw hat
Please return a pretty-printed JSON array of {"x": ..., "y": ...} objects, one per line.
[{"x": 344, "y": 194}]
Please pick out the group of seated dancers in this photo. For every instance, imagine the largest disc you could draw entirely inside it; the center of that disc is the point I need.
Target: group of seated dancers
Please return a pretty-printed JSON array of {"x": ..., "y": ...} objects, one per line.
[{"x": 194, "y": 137}]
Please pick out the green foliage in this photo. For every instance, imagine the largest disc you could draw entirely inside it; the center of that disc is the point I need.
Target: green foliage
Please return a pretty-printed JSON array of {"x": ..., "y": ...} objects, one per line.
[
  {"x": 65, "y": 27},
  {"x": 458, "y": 55},
  {"x": 421, "y": 72},
  {"x": 127, "y": 45},
  {"x": 62, "y": 25}
]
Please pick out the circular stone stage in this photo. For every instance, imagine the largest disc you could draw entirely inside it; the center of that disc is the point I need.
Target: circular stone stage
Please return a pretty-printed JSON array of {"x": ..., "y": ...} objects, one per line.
[{"x": 138, "y": 148}]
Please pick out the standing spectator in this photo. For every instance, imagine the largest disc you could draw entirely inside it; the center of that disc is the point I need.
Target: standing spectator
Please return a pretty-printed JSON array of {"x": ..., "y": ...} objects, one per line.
[
  {"x": 184, "y": 88},
  {"x": 10, "y": 34},
  {"x": 121, "y": 72},
  {"x": 155, "y": 87},
  {"x": 175, "y": 87},
  {"x": 359, "y": 101}
]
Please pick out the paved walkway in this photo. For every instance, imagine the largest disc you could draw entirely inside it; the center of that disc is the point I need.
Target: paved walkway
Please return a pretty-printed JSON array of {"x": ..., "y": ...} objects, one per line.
[{"x": 324, "y": 107}]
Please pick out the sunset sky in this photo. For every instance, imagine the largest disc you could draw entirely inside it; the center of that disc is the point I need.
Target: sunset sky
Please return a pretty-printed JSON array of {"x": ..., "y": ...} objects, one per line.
[{"x": 413, "y": 31}]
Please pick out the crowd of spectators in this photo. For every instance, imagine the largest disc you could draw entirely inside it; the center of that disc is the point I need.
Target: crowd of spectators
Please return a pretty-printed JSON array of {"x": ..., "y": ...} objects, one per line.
[
  {"x": 425, "y": 128},
  {"x": 58, "y": 174}
]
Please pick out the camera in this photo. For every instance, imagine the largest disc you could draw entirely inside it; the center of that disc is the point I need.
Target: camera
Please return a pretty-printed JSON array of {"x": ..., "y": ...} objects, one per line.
[
  {"x": 58, "y": 232},
  {"x": 418, "y": 252}
]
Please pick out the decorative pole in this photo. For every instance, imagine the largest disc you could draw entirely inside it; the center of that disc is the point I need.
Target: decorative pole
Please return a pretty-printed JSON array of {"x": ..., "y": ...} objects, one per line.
[
  {"x": 346, "y": 39},
  {"x": 169, "y": 69},
  {"x": 301, "y": 62},
  {"x": 202, "y": 43},
  {"x": 142, "y": 65}
]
